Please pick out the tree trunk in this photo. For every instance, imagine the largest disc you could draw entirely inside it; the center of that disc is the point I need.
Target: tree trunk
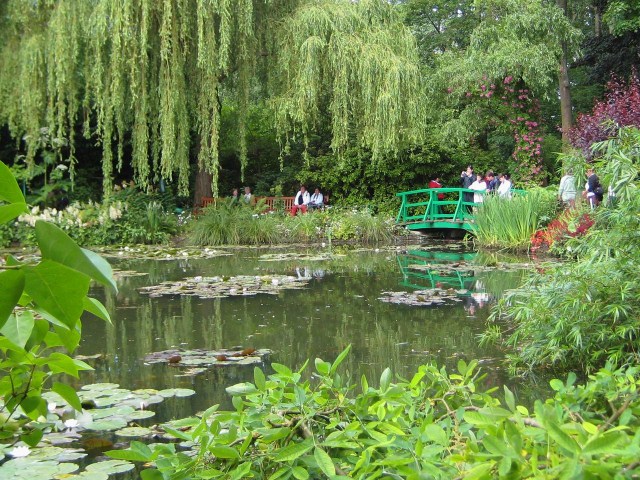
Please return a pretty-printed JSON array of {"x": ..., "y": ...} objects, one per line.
[
  {"x": 202, "y": 187},
  {"x": 566, "y": 106}
]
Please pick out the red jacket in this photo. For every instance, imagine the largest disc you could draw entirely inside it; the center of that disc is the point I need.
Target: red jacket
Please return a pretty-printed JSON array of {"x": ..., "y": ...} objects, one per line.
[{"x": 434, "y": 184}]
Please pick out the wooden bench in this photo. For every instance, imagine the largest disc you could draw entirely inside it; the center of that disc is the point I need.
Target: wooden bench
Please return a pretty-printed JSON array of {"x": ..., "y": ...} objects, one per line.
[{"x": 273, "y": 204}]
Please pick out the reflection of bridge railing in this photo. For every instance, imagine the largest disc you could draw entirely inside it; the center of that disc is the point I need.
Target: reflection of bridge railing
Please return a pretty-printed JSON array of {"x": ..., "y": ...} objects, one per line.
[
  {"x": 433, "y": 277},
  {"x": 422, "y": 209}
]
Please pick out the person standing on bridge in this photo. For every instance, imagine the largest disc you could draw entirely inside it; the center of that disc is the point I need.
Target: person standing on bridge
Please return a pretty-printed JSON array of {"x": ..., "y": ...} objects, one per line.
[
  {"x": 435, "y": 183},
  {"x": 466, "y": 179},
  {"x": 480, "y": 186}
]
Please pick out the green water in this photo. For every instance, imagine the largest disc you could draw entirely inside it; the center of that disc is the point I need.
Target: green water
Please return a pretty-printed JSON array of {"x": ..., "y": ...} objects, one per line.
[{"x": 340, "y": 306}]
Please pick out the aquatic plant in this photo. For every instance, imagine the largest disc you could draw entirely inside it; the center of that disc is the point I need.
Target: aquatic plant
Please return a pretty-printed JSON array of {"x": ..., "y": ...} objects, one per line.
[{"x": 510, "y": 223}]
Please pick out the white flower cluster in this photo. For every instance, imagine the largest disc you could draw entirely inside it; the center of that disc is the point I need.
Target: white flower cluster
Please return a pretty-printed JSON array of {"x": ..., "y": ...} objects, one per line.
[{"x": 76, "y": 215}]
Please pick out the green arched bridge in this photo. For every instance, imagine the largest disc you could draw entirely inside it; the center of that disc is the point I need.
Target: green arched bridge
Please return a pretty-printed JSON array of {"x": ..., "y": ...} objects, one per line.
[{"x": 423, "y": 210}]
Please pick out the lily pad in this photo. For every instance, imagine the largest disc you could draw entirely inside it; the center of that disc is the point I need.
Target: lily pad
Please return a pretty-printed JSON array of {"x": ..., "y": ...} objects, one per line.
[
  {"x": 315, "y": 257},
  {"x": 176, "y": 392},
  {"x": 134, "y": 432},
  {"x": 206, "y": 358},
  {"x": 159, "y": 252},
  {"x": 110, "y": 467},
  {"x": 85, "y": 476},
  {"x": 220, "y": 286},
  {"x": 421, "y": 298},
  {"x": 34, "y": 469},
  {"x": 107, "y": 424}
]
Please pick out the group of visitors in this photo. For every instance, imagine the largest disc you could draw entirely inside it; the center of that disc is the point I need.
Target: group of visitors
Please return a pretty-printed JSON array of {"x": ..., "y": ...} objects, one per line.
[
  {"x": 248, "y": 197},
  {"x": 304, "y": 201},
  {"x": 593, "y": 191},
  {"x": 488, "y": 183}
]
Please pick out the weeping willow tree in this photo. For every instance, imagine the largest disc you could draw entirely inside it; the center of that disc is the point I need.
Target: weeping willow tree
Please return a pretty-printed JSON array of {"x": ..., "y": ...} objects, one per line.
[{"x": 155, "y": 73}]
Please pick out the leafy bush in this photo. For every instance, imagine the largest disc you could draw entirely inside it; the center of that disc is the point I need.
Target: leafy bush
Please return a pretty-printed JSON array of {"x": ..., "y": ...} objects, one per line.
[
  {"x": 584, "y": 313},
  {"x": 510, "y": 223},
  {"x": 435, "y": 425}
]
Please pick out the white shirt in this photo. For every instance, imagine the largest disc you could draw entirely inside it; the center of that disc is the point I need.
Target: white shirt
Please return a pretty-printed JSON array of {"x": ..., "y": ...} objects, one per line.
[
  {"x": 305, "y": 198},
  {"x": 317, "y": 199},
  {"x": 480, "y": 186},
  {"x": 504, "y": 190}
]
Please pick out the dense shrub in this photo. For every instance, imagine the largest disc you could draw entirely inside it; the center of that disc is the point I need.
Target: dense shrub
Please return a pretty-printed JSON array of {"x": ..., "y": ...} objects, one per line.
[{"x": 585, "y": 312}]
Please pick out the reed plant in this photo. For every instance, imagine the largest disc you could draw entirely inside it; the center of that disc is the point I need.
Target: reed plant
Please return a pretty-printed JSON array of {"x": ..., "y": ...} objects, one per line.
[
  {"x": 509, "y": 223},
  {"x": 227, "y": 224}
]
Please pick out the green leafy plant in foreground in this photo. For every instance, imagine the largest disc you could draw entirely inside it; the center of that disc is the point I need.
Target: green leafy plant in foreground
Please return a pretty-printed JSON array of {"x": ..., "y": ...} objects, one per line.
[
  {"x": 435, "y": 425},
  {"x": 40, "y": 309}
]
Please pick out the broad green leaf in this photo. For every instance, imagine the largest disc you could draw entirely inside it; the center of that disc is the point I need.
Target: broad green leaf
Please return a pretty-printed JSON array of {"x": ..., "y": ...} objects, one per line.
[
  {"x": 38, "y": 334},
  {"x": 135, "y": 453},
  {"x": 18, "y": 328},
  {"x": 56, "y": 245},
  {"x": 282, "y": 369},
  {"x": 70, "y": 339},
  {"x": 479, "y": 472},
  {"x": 293, "y": 451},
  {"x": 57, "y": 289},
  {"x": 241, "y": 389},
  {"x": 95, "y": 307},
  {"x": 364, "y": 384},
  {"x": 11, "y": 211},
  {"x": 32, "y": 438},
  {"x": 564, "y": 440},
  {"x": 509, "y": 399},
  {"x": 224, "y": 452},
  {"x": 240, "y": 472},
  {"x": 258, "y": 378},
  {"x": 281, "y": 472},
  {"x": 477, "y": 418},
  {"x": 603, "y": 444},
  {"x": 151, "y": 474},
  {"x": 9, "y": 190},
  {"x": 68, "y": 394},
  {"x": 300, "y": 473},
  {"x": 322, "y": 367},
  {"x": 385, "y": 380},
  {"x": 11, "y": 287},
  {"x": 324, "y": 462},
  {"x": 61, "y": 363},
  {"x": 436, "y": 434},
  {"x": 339, "y": 359}
]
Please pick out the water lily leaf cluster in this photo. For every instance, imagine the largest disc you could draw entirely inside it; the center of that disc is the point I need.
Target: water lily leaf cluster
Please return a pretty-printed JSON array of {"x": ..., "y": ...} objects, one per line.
[
  {"x": 222, "y": 286},
  {"x": 423, "y": 298},
  {"x": 161, "y": 252},
  {"x": 208, "y": 358}
]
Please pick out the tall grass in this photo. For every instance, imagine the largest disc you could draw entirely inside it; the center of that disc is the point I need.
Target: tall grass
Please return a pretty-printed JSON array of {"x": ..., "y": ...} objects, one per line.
[
  {"x": 510, "y": 223},
  {"x": 233, "y": 225},
  {"x": 241, "y": 225}
]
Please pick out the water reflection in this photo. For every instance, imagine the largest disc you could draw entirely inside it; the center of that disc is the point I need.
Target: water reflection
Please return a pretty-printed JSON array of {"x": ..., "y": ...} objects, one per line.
[{"x": 340, "y": 306}]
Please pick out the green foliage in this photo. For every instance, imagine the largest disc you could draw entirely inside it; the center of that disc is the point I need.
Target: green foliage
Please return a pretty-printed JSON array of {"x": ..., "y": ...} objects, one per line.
[
  {"x": 40, "y": 309},
  {"x": 240, "y": 225},
  {"x": 435, "y": 425},
  {"x": 510, "y": 223},
  {"x": 584, "y": 313}
]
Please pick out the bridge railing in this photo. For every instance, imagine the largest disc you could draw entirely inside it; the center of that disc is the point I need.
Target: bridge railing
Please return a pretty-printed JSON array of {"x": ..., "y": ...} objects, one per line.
[{"x": 424, "y": 205}]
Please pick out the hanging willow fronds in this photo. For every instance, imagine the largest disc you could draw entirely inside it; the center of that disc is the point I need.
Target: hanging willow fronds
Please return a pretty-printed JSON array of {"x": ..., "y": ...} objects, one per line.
[{"x": 150, "y": 74}]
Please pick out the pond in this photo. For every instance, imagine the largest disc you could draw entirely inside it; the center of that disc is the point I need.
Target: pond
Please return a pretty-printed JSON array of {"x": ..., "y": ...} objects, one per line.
[{"x": 339, "y": 305}]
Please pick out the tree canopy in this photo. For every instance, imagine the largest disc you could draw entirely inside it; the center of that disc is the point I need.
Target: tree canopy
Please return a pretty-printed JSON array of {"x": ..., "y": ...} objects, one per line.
[{"x": 155, "y": 73}]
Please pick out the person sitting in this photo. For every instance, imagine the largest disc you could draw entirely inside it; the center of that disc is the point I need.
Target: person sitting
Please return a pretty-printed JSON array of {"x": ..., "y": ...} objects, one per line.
[
  {"x": 235, "y": 197},
  {"x": 504, "y": 190},
  {"x": 248, "y": 197},
  {"x": 317, "y": 199},
  {"x": 301, "y": 201}
]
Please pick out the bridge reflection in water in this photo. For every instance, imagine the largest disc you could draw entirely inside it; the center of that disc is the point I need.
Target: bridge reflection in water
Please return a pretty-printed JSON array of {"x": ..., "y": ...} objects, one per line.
[{"x": 424, "y": 269}]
